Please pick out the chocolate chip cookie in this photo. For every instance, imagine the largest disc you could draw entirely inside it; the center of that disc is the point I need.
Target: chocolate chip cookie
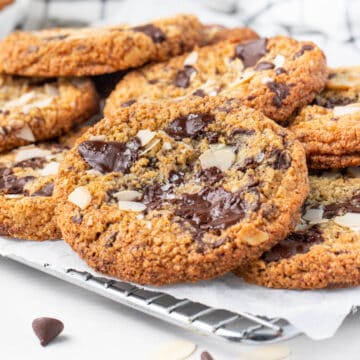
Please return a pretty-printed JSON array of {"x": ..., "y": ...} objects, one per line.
[
  {"x": 93, "y": 51},
  {"x": 173, "y": 192},
  {"x": 35, "y": 109},
  {"x": 324, "y": 251},
  {"x": 27, "y": 174},
  {"x": 330, "y": 127},
  {"x": 276, "y": 75}
]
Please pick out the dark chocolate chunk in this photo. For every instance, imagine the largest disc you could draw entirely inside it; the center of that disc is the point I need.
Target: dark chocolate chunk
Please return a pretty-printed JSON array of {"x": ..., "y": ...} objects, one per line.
[
  {"x": 155, "y": 33},
  {"x": 211, "y": 175},
  {"x": 182, "y": 77},
  {"x": 77, "y": 219},
  {"x": 189, "y": 126},
  {"x": 47, "y": 329},
  {"x": 128, "y": 103},
  {"x": 281, "y": 91},
  {"x": 298, "y": 242},
  {"x": 110, "y": 156},
  {"x": 11, "y": 184},
  {"x": 212, "y": 137},
  {"x": 330, "y": 103},
  {"x": 306, "y": 47},
  {"x": 176, "y": 177},
  {"x": 264, "y": 65},
  {"x": 199, "y": 92},
  {"x": 243, "y": 132},
  {"x": 153, "y": 81},
  {"x": 339, "y": 209},
  {"x": 47, "y": 190},
  {"x": 280, "y": 70},
  {"x": 281, "y": 159},
  {"x": 110, "y": 240},
  {"x": 34, "y": 163},
  {"x": 106, "y": 83},
  {"x": 154, "y": 195},
  {"x": 250, "y": 52}
]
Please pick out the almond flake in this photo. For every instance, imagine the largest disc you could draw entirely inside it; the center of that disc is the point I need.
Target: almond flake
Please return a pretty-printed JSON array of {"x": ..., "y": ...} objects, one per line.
[
  {"x": 80, "y": 197},
  {"x": 20, "y": 101},
  {"x": 51, "y": 90},
  {"x": 314, "y": 216},
  {"x": 167, "y": 146},
  {"x": 37, "y": 104},
  {"x": 346, "y": 110},
  {"x": 127, "y": 195},
  {"x": 26, "y": 153},
  {"x": 131, "y": 206},
  {"x": 97, "y": 138},
  {"x": 25, "y": 133},
  {"x": 51, "y": 168},
  {"x": 13, "y": 196},
  {"x": 145, "y": 136},
  {"x": 266, "y": 80},
  {"x": 351, "y": 220},
  {"x": 179, "y": 350},
  {"x": 221, "y": 158},
  {"x": 191, "y": 59},
  {"x": 279, "y": 61},
  {"x": 150, "y": 147}
]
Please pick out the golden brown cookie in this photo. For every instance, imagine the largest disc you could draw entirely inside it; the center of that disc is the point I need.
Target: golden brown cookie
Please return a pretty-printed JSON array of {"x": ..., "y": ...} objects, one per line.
[
  {"x": 93, "y": 51},
  {"x": 330, "y": 127},
  {"x": 324, "y": 251},
  {"x": 276, "y": 75},
  {"x": 27, "y": 204},
  {"x": 35, "y": 109},
  {"x": 172, "y": 192}
]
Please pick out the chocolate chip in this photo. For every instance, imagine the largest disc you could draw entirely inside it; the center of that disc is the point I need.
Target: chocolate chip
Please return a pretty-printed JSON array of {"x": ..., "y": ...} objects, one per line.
[
  {"x": 199, "y": 92},
  {"x": 128, "y": 103},
  {"x": 10, "y": 184},
  {"x": 280, "y": 70},
  {"x": 152, "y": 31},
  {"x": 47, "y": 190},
  {"x": 189, "y": 126},
  {"x": 77, "y": 219},
  {"x": 330, "y": 103},
  {"x": 106, "y": 83},
  {"x": 250, "y": 52},
  {"x": 110, "y": 156},
  {"x": 154, "y": 195},
  {"x": 182, "y": 77},
  {"x": 110, "y": 240},
  {"x": 298, "y": 242},
  {"x": 211, "y": 175},
  {"x": 281, "y": 159},
  {"x": 206, "y": 356},
  {"x": 34, "y": 163},
  {"x": 176, "y": 177},
  {"x": 336, "y": 209},
  {"x": 153, "y": 81},
  {"x": 281, "y": 91},
  {"x": 306, "y": 47},
  {"x": 264, "y": 65},
  {"x": 243, "y": 132},
  {"x": 47, "y": 329}
]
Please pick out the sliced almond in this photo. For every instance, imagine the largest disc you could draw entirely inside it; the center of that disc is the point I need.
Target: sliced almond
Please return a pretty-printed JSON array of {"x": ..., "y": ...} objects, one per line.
[
  {"x": 221, "y": 158},
  {"x": 51, "y": 168},
  {"x": 191, "y": 59},
  {"x": 22, "y": 100},
  {"x": 13, "y": 196},
  {"x": 25, "y": 133},
  {"x": 351, "y": 220},
  {"x": 346, "y": 110},
  {"x": 127, "y": 195},
  {"x": 32, "y": 152},
  {"x": 244, "y": 78},
  {"x": 279, "y": 60},
  {"x": 273, "y": 352},
  {"x": 314, "y": 216},
  {"x": 80, "y": 197},
  {"x": 131, "y": 206},
  {"x": 167, "y": 146},
  {"x": 97, "y": 138},
  {"x": 37, "y": 104},
  {"x": 145, "y": 136},
  {"x": 179, "y": 350},
  {"x": 150, "y": 147},
  {"x": 51, "y": 90},
  {"x": 265, "y": 80}
]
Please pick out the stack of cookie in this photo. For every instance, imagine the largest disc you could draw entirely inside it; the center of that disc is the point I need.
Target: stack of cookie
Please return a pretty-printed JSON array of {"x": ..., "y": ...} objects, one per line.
[{"x": 199, "y": 166}]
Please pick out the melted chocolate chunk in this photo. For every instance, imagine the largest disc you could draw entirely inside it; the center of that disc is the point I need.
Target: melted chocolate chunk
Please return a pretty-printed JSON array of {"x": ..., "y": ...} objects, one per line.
[
  {"x": 281, "y": 91},
  {"x": 280, "y": 70},
  {"x": 110, "y": 156},
  {"x": 176, "y": 177},
  {"x": 250, "y": 52},
  {"x": 243, "y": 132},
  {"x": 182, "y": 78},
  {"x": 211, "y": 175},
  {"x": 212, "y": 137},
  {"x": 339, "y": 209},
  {"x": 154, "y": 195},
  {"x": 264, "y": 65},
  {"x": 47, "y": 329},
  {"x": 10, "y": 184},
  {"x": 111, "y": 239},
  {"x": 155, "y": 33},
  {"x": 47, "y": 190},
  {"x": 298, "y": 242},
  {"x": 199, "y": 92},
  {"x": 77, "y": 219},
  {"x": 34, "y": 163},
  {"x": 281, "y": 159},
  {"x": 306, "y": 47},
  {"x": 106, "y": 83},
  {"x": 330, "y": 103},
  {"x": 128, "y": 103},
  {"x": 189, "y": 126}
]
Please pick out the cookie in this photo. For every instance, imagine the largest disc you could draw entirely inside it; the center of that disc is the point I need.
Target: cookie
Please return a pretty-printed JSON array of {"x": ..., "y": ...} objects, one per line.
[
  {"x": 275, "y": 76},
  {"x": 324, "y": 251},
  {"x": 35, "y": 109},
  {"x": 94, "y": 51},
  {"x": 4, "y": 3},
  {"x": 174, "y": 192},
  {"x": 27, "y": 174},
  {"x": 330, "y": 127}
]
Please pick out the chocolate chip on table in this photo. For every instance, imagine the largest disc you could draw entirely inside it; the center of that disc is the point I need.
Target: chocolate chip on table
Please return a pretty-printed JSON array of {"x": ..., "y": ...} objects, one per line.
[
  {"x": 182, "y": 77},
  {"x": 206, "y": 356},
  {"x": 152, "y": 31},
  {"x": 281, "y": 91},
  {"x": 189, "y": 126},
  {"x": 110, "y": 156},
  {"x": 264, "y": 65},
  {"x": 47, "y": 190},
  {"x": 47, "y": 329},
  {"x": 298, "y": 242},
  {"x": 250, "y": 52}
]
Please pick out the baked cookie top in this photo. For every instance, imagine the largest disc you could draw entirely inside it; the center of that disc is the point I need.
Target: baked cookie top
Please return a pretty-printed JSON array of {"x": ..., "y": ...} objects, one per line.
[
  {"x": 27, "y": 174},
  {"x": 324, "y": 250},
  {"x": 184, "y": 191},
  {"x": 93, "y": 51},
  {"x": 275, "y": 76},
  {"x": 330, "y": 127},
  {"x": 34, "y": 109}
]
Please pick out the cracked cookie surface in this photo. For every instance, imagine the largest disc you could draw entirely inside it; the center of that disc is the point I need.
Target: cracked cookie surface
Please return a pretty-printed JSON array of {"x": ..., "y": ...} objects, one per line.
[
  {"x": 324, "y": 251},
  {"x": 93, "y": 51},
  {"x": 36, "y": 109},
  {"x": 330, "y": 127},
  {"x": 27, "y": 204},
  {"x": 173, "y": 192},
  {"x": 276, "y": 76}
]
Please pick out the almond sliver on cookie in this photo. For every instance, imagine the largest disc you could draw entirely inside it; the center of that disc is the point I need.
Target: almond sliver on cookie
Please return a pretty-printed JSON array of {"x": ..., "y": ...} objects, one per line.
[{"x": 346, "y": 110}]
